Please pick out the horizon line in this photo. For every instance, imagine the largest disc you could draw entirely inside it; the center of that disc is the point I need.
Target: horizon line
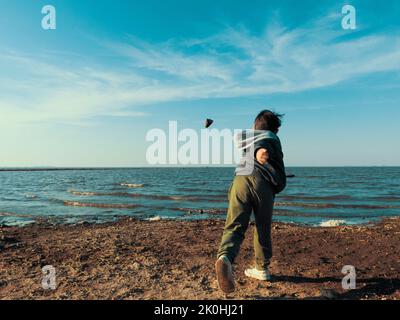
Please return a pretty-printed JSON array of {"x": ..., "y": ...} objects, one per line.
[{"x": 66, "y": 168}]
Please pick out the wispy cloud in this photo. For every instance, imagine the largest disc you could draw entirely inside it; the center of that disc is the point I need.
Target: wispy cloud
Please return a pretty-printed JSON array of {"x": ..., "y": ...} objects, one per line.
[{"x": 232, "y": 63}]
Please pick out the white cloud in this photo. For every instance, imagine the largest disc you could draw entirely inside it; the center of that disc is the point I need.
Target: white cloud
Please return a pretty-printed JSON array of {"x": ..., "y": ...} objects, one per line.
[{"x": 230, "y": 64}]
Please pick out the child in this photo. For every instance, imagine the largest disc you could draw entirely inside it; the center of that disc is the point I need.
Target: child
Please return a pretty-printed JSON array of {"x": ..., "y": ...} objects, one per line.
[{"x": 258, "y": 178}]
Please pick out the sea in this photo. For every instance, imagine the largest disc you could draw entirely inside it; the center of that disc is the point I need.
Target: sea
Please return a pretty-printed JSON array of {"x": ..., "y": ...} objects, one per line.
[{"x": 314, "y": 196}]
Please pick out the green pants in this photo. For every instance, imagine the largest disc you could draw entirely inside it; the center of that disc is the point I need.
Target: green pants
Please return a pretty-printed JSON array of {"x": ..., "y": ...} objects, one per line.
[{"x": 249, "y": 194}]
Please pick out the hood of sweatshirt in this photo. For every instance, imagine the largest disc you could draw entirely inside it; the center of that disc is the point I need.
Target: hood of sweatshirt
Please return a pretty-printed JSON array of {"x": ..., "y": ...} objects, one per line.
[{"x": 248, "y": 138}]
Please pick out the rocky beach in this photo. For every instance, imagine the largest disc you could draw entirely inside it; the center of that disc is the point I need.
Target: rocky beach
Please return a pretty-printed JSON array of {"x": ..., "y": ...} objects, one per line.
[{"x": 173, "y": 259}]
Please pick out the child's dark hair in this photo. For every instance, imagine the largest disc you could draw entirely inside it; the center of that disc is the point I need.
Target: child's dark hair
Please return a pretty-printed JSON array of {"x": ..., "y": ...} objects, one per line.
[{"x": 268, "y": 120}]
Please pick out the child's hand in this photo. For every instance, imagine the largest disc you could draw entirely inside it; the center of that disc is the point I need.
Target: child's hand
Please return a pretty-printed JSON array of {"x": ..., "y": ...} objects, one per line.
[{"x": 262, "y": 156}]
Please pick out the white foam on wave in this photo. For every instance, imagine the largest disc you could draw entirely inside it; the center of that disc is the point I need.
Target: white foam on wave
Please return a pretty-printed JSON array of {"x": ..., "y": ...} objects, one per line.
[
  {"x": 30, "y": 196},
  {"x": 82, "y": 193},
  {"x": 132, "y": 185},
  {"x": 332, "y": 223},
  {"x": 156, "y": 218}
]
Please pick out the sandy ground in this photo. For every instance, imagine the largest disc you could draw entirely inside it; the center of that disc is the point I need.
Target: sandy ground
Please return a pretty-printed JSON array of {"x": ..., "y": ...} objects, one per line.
[{"x": 132, "y": 259}]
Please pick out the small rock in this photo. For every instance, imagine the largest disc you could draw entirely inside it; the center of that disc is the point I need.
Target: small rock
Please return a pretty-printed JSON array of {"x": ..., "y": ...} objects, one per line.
[
  {"x": 324, "y": 260},
  {"x": 208, "y": 123},
  {"x": 136, "y": 265}
]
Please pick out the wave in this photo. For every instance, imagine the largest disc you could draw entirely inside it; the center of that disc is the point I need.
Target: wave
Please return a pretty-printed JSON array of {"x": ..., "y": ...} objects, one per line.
[
  {"x": 31, "y": 196},
  {"x": 18, "y": 215},
  {"x": 206, "y": 198},
  {"x": 132, "y": 185},
  {"x": 216, "y": 191},
  {"x": 323, "y": 215},
  {"x": 304, "y": 197},
  {"x": 82, "y": 193},
  {"x": 131, "y": 206},
  {"x": 332, "y": 223},
  {"x": 219, "y": 198},
  {"x": 334, "y": 205},
  {"x": 24, "y": 217},
  {"x": 200, "y": 211},
  {"x": 385, "y": 198},
  {"x": 100, "y": 205},
  {"x": 195, "y": 198}
]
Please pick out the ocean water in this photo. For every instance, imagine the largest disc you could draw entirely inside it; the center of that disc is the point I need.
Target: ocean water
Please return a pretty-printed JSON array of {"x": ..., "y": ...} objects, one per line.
[{"x": 315, "y": 196}]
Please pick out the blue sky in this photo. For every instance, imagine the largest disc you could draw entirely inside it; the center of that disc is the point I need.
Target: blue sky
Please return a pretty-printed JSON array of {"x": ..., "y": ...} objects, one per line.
[{"x": 87, "y": 93}]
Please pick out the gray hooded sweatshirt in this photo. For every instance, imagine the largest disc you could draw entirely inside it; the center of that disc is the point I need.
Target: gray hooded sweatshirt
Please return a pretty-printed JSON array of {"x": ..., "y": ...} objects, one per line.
[{"x": 250, "y": 141}]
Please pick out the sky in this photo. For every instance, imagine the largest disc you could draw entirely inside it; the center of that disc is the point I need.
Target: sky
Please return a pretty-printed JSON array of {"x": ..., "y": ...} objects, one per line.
[{"x": 88, "y": 92}]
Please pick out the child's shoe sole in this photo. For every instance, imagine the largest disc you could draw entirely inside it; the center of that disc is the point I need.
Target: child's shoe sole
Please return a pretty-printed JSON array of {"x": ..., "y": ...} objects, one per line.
[
  {"x": 250, "y": 274},
  {"x": 224, "y": 276}
]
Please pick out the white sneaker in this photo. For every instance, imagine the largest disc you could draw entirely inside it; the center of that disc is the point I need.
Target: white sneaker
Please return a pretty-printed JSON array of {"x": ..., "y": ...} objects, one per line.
[
  {"x": 263, "y": 275},
  {"x": 223, "y": 269}
]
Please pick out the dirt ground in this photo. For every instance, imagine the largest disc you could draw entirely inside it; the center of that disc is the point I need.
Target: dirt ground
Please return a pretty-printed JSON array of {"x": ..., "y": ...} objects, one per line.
[{"x": 167, "y": 259}]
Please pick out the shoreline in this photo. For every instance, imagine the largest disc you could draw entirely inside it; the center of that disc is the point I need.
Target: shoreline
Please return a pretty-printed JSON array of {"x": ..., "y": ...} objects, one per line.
[
  {"x": 174, "y": 259},
  {"x": 77, "y": 220}
]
